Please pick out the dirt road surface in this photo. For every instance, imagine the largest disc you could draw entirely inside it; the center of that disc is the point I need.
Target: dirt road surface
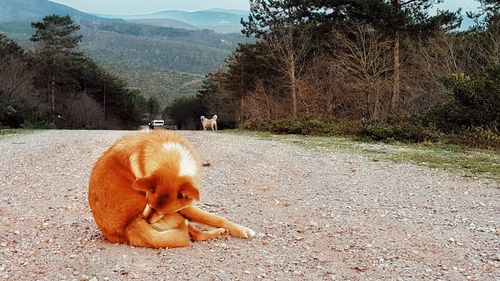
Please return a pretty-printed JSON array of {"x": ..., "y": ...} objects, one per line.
[{"x": 318, "y": 216}]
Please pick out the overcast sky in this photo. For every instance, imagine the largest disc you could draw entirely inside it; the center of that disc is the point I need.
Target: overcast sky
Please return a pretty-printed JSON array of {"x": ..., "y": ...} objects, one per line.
[{"x": 124, "y": 7}]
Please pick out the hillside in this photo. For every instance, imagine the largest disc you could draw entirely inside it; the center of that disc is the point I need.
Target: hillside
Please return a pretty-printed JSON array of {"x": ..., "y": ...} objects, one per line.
[
  {"x": 139, "y": 45},
  {"x": 161, "y": 61},
  {"x": 165, "y": 23},
  {"x": 218, "y": 20},
  {"x": 162, "y": 84},
  {"x": 159, "y": 52}
]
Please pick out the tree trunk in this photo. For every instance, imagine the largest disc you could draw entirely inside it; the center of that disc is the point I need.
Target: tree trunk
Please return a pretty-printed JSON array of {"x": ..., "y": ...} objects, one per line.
[
  {"x": 240, "y": 111},
  {"x": 104, "y": 102},
  {"x": 293, "y": 84},
  {"x": 53, "y": 96},
  {"x": 396, "y": 84}
]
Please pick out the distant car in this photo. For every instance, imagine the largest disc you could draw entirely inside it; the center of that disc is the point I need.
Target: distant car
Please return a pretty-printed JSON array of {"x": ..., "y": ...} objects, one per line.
[{"x": 156, "y": 124}]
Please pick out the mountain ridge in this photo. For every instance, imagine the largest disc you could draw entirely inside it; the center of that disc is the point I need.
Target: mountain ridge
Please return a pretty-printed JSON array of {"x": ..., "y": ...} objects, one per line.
[{"x": 33, "y": 10}]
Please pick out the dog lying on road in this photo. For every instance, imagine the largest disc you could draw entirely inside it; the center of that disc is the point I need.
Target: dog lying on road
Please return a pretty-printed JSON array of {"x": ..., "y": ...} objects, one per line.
[
  {"x": 141, "y": 192},
  {"x": 209, "y": 123}
]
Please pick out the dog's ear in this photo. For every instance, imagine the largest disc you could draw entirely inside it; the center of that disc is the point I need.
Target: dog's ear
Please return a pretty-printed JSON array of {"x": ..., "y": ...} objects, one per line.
[
  {"x": 188, "y": 191},
  {"x": 146, "y": 184}
]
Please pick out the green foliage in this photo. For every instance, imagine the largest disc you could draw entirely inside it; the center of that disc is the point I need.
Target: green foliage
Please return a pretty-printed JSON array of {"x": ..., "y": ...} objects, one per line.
[
  {"x": 475, "y": 102},
  {"x": 9, "y": 48},
  {"x": 153, "y": 106},
  {"x": 163, "y": 85},
  {"x": 190, "y": 52},
  {"x": 387, "y": 16},
  {"x": 490, "y": 9},
  {"x": 62, "y": 87},
  {"x": 56, "y": 59},
  {"x": 27, "y": 124},
  {"x": 56, "y": 34},
  {"x": 18, "y": 98},
  {"x": 300, "y": 126},
  {"x": 185, "y": 112},
  {"x": 218, "y": 101},
  {"x": 477, "y": 137},
  {"x": 245, "y": 67},
  {"x": 405, "y": 132}
]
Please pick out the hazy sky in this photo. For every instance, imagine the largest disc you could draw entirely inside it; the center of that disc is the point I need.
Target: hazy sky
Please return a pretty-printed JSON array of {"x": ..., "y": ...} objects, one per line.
[{"x": 123, "y": 7}]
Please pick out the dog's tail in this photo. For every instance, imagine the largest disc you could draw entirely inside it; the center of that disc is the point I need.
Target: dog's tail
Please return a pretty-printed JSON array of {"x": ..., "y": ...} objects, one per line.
[{"x": 215, "y": 117}]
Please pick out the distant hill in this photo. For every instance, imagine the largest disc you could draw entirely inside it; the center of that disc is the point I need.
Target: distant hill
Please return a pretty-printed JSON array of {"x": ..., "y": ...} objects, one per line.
[
  {"x": 35, "y": 10},
  {"x": 218, "y": 20},
  {"x": 165, "y": 23},
  {"x": 134, "y": 45},
  {"x": 242, "y": 13}
]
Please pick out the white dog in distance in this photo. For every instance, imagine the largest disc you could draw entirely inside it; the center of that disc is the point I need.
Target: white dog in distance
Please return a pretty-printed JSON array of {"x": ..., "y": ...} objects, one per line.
[{"x": 209, "y": 123}]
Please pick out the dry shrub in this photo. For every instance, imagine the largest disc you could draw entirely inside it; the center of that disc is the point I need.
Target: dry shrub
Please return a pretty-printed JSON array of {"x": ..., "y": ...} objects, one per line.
[
  {"x": 82, "y": 111},
  {"x": 478, "y": 137},
  {"x": 261, "y": 105}
]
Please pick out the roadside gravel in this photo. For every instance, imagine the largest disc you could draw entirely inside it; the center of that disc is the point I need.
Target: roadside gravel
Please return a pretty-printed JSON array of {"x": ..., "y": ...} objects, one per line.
[{"x": 318, "y": 215}]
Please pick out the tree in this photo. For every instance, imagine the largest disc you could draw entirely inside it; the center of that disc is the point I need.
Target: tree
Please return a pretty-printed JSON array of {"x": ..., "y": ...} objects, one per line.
[
  {"x": 56, "y": 56},
  {"x": 363, "y": 59},
  {"x": 215, "y": 97},
  {"x": 395, "y": 18},
  {"x": 186, "y": 112},
  {"x": 246, "y": 68},
  {"x": 414, "y": 20},
  {"x": 289, "y": 50},
  {"x": 475, "y": 102},
  {"x": 153, "y": 106},
  {"x": 18, "y": 98},
  {"x": 490, "y": 9}
]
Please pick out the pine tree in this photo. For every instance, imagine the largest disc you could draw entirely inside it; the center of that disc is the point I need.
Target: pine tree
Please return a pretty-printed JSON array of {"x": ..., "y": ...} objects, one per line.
[
  {"x": 153, "y": 106},
  {"x": 395, "y": 18},
  {"x": 57, "y": 56}
]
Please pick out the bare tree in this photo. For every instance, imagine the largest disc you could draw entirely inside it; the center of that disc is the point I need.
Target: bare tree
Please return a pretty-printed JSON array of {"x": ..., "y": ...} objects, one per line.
[
  {"x": 289, "y": 49},
  {"x": 81, "y": 111},
  {"x": 15, "y": 80},
  {"x": 262, "y": 105},
  {"x": 16, "y": 89},
  {"x": 363, "y": 56}
]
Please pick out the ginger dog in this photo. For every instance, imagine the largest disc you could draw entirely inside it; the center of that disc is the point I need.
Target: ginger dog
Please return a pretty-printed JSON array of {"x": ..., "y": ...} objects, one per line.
[
  {"x": 209, "y": 123},
  {"x": 141, "y": 192}
]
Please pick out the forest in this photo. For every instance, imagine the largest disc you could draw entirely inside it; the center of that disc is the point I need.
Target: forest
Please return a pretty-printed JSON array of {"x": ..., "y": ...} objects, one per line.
[
  {"x": 382, "y": 70},
  {"x": 58, "y": 86}
]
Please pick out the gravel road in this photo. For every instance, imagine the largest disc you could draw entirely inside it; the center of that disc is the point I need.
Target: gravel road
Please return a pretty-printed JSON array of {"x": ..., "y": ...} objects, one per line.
[{"x": 318, "y": 215}]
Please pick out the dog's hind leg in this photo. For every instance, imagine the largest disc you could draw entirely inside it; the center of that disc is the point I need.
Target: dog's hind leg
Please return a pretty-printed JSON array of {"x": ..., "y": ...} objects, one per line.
[
  {"x": 140, "y": 233},
  {"x": 200, "y": 235}
]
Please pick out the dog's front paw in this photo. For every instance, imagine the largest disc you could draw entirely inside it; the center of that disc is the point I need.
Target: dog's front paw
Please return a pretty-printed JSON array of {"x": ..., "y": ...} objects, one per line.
[
  {"x": 241, "y": 231},
  {"x": 219, "y": 231}
]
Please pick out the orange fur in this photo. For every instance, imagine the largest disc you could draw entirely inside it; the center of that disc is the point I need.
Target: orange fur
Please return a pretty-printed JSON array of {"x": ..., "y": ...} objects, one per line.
[{"x": 159, "y": 169}]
